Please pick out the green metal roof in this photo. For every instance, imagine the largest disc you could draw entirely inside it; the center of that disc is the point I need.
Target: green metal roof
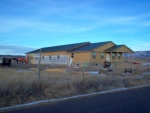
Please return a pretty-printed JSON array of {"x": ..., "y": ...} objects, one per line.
[
  {"x": 67, "y": 47},
  {"x": 78, "y": 47},
  {"x": 90, "y": 46}
]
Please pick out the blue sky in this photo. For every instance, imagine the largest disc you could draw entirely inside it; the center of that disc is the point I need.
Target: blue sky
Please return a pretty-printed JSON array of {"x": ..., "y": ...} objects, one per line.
[{"x": 26, "y": 25}]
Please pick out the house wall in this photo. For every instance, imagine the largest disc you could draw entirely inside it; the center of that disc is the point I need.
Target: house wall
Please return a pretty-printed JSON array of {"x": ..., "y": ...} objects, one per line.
[
  {"x": 81, "y": 57},
  {"x": 32, "y": 60},
  {"x": 98, "y": 51},
  {"x": 54, "y": 53},
  {"x": 85, "y": 57},
  {"x": 115, "y": 58},
  {"x": 124, "y": 49},
  {"x": 106, "y": 46}
]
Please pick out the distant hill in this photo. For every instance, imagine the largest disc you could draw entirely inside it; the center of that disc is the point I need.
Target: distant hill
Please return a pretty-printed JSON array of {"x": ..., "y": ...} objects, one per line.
[
  {"x": 143, "y": 54},
  {"x": 16, "y": 56}
]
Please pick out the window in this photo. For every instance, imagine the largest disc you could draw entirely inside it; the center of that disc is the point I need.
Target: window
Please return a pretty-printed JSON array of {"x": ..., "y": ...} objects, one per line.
[
  {"x": 102, "y": 55},
  {"x": 113, "y": 55},
  {"x": 94, "y": 55},
  {"x": 119, "y": 55},
  {"x": 72, "y": 55},
  {"x": 58, "y": 57}
]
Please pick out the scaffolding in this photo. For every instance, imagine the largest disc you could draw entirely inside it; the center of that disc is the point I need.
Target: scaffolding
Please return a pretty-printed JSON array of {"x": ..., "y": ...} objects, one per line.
[{"x": 128, "y": 57}]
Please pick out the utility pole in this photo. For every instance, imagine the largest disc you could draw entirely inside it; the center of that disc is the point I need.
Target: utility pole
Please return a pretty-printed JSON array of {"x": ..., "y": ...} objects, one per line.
[{"x": 39, "y": 85}]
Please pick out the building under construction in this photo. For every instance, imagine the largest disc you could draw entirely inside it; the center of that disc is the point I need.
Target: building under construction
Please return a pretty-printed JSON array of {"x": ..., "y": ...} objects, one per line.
[{"x": 80, "y": 54}]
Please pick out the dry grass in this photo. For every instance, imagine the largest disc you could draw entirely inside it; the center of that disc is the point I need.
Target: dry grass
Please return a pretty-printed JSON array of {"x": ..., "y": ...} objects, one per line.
[
  {"x": 142, "y": 60},
  {"x": 21, "y": 87},
  {"x": 136, "y": 68}
]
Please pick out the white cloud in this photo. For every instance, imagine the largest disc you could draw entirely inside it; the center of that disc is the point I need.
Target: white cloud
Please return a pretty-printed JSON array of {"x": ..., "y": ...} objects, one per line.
[
  {"x": 11, "y": 24},
  {"x": 63, "y": 16},
  {"x": 14, "y": 49}
]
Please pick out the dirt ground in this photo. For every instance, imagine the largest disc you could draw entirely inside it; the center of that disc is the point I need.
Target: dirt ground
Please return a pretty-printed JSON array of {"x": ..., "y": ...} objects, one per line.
[
  {"x": 142, "y": 60},
  {"x": 118, "y": 67}
]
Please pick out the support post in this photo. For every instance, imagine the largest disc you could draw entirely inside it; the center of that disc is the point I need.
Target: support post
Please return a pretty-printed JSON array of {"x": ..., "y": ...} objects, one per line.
[
  {"x": 128, "y": 57},
  {"x": 39, "y": 69},
  {"x": 117, "y": 56},
  {"x": 111, "y": 56},
  {"x": 132, "y": 57},
  {"x": 83, "y": 74}
]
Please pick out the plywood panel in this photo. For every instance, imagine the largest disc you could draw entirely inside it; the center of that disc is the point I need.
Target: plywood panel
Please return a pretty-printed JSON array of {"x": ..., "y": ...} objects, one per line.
[
  {"x": 81, "y": 57},
  {"x": 54, "y": 53}
]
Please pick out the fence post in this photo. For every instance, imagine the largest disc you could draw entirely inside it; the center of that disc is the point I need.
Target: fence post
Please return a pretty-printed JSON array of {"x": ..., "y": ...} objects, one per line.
[
  {"x": 83, "y": 74},
  {"x": 39, "y": 85},
  {"x": 84, "y": 65}
]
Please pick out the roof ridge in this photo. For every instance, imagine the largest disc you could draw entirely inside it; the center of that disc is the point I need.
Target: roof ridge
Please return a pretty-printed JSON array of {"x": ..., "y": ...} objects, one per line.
[
  {"x": 66, "y": 44},
  {"x": 101, "y": 42},
  {"x": 91, "y": 46},
  {"x": 84, "y": 44}
]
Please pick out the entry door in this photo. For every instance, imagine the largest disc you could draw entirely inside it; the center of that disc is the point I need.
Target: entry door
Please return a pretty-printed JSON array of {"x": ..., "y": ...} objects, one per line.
[{"x": 108, "y": 57}]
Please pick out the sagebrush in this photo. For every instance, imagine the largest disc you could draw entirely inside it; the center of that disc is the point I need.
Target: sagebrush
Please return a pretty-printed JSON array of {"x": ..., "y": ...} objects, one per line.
[{"x": 21, "y": 87}]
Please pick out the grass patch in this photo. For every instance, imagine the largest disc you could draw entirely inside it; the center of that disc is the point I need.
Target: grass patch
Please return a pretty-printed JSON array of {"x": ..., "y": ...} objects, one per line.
[{"x": 22, "y": 87}]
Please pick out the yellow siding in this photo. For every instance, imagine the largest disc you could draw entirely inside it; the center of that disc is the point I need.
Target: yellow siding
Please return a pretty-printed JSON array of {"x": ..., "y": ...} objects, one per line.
[
  {"x": 124, "y": 49},
  {"x": 81, "y": 57},
  {"x": 98, "y": 51},
  {"x": 106, "y": 46},
  {"x": 54, "y": 53},
  {"x": 115, "y": 59},
  {"x": 98, "y": 59}
]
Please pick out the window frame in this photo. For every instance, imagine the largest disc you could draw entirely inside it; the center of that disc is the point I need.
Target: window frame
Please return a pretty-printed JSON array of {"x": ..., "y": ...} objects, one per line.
[
  {"x": 94, "y": 54},
  {"x": 113, "y": 55},
  {"x": 58, "y": 56},
  {"x": 72, "y": 55},
  {"x": 119, "y": 56},
  {"x": 102, "y": 55}
]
